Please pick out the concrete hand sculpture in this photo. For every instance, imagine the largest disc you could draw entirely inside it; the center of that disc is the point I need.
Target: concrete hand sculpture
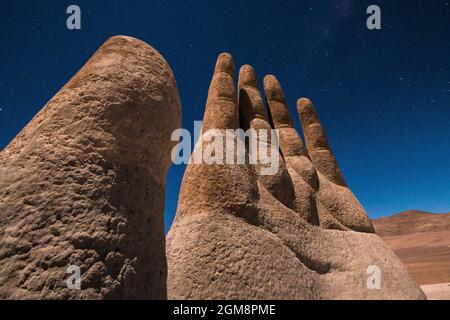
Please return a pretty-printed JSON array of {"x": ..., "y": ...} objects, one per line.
[
  {"x": 238, "y": 234},
  {"x": 83, "y": 186}
]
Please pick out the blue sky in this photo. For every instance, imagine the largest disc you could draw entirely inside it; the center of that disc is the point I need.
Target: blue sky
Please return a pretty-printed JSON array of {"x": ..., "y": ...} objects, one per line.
[{"x": 383, "y": 96}]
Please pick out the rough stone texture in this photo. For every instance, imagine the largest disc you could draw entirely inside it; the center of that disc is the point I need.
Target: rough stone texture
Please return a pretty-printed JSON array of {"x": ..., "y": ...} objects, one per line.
[
  {"x": 84, "y": 183},
  {"x": 236, "y": 236},
  {"x": 337, "y": 206}
]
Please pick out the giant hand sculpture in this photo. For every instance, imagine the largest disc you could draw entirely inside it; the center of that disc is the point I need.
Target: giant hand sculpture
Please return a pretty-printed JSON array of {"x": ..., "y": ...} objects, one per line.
[
  {"x": 83, "y": 186},
  {"x": 242, "y": 235}
]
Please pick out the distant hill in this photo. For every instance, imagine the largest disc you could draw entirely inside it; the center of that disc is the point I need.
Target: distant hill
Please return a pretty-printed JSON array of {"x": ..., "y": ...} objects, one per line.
[
  {"x": 422, "y": 241},
  {"x": 411, "y": 222}
]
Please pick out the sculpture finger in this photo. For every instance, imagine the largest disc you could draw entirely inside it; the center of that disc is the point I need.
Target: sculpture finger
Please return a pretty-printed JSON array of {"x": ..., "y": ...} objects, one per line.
[
  {"x": 221, "y": 108},
  {"x": 290, "y": 142},
  {"x": 213, "y": 181},
  {"x": 263, "y": 147},
  {"x": 302, "y": 172},
  {"x": 88, "y": 175},
  {"x": 334, "y": 195},
  {"x": 317, "y": 144},
  {"x": 251, "y": 104}
]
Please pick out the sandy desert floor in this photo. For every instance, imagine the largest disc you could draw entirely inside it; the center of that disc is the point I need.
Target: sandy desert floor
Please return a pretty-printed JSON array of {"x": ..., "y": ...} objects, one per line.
[
  {"x": 422, "y": 242},
  {"x": 427, "y": 255},
  {"x": 437, "y": 291}
]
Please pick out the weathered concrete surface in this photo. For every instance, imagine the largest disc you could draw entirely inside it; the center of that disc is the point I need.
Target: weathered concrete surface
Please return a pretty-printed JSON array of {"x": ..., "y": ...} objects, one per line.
[
  {"x": 337, "y": 205},
  {"x": 84, "y": 183},
  {"x": 235, "y": 236}
]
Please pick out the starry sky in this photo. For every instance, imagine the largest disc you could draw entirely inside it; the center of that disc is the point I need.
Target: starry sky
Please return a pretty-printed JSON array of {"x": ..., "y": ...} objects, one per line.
[{"x": 383, "y": 95}]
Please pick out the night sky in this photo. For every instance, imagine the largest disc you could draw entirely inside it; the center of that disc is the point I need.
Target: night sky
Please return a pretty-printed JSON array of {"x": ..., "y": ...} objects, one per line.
[{"x": 383, "y": 96}]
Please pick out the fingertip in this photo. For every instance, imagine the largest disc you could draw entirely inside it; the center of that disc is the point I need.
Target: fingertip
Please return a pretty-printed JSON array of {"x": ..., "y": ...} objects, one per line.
[
  {"x": 247, "y": 76},
  {"x": 225, "y": 63},
  {"x": 303, "y": 102},
  {"x": 270, "y": 78},
  {"x": 221, "y": 104},
  {"x": 307, "y": 111},
  {"x": 273, "y": 89},
  {"x": 304, "y": 105},
  {"x": 270, "y": 82}
]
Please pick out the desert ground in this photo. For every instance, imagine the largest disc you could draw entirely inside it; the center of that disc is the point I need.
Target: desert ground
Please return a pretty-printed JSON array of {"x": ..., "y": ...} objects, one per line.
[{"x": 422, "y": 241}]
